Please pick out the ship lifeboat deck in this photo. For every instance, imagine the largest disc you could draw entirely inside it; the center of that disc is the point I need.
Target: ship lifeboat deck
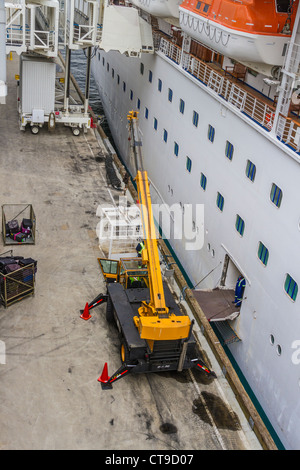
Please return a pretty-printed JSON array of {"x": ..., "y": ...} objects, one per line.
[{"x": 233, "y": 89}]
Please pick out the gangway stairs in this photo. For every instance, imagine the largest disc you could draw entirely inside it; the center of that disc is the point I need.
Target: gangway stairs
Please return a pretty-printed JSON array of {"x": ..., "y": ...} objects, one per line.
[
  {"x": 44, "y": 27},
  {"x": 22, "y": 34}
]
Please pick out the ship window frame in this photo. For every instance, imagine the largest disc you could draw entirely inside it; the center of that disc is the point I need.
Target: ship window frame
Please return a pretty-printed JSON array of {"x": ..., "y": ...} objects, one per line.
[
  {"x": 240, "y": 225},
  {"x": 188, "y": 164},
  {"x": 205, "y": 8},
  {"x": 118, "y": 79},
  {"x": 220, "y": 201},
  {"x": 150, "y": 76},
  {"x": 203, "y": 181},
  {"x": 146, "y": 113},
  {"x": 250, "y": 170},
  {"x": 113, "y": 72},
  {"x": 229, "y": 149},
  {"x": 124, "y": 86},
  {"x": 131, "y": 95},
  {"x": 211, "y": 133},
  {"x": 142, "y": 67},
  {"x": 195, "y": 118},
  {"x": 276, "y": 195},
  {"x": 291, "y": 285},
  {"x": 176, "y": 149},
  {"x": 165, "y": 136},
  {"x": 181, "y": 106},
  {"x": 138, "y": 103},
  {"x": 159, "y": 85},
  {"x": 155, "y": 123},
  {"x": 198, "y": 6},
  {"x": 170, "y": 95},
  {"x": 263, "y": 253}
]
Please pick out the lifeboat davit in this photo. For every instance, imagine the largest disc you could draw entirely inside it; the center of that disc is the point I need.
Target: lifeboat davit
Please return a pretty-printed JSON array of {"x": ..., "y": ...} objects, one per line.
[
  {"x": 159, "y": 8},
  {"x": 248, "y": 30}
]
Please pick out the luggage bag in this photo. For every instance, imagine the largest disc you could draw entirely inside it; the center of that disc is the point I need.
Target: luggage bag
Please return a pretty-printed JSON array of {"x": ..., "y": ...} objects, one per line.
[{"x": 13, "y": 226}]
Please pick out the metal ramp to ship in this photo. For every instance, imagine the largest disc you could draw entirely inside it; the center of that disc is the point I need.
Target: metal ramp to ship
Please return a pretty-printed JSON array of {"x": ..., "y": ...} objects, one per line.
[{"x": 219, "y": 309}]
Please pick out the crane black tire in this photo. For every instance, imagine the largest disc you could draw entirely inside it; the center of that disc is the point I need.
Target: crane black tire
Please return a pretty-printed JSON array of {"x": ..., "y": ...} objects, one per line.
[{"x": 109, "y": 311}]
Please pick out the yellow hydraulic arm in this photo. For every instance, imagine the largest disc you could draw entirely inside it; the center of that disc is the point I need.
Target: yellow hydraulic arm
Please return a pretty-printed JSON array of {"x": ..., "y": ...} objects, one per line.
[{"x": 155, "y": 321}]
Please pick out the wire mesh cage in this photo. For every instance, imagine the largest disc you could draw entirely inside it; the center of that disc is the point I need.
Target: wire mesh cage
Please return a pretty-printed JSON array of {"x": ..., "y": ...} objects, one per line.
[
  {"x": 18, "y": 224},
  {"x": 16, "y": 285}
]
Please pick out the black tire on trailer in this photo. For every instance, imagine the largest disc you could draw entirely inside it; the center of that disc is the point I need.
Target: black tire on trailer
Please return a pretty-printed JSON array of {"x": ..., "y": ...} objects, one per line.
[{"x": 109, "y": 311}]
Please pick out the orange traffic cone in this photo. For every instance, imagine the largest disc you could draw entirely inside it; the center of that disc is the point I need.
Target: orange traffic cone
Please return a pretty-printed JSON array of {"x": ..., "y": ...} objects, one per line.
[
  {"x": 85, "y": 315},
  {"x": 104, "y": 376}
]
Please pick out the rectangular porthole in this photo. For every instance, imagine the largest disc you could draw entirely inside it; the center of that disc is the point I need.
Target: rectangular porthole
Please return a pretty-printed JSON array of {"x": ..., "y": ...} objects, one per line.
[
  {"x": 263, "y": 253},
  {"x": 176, "y": 149},
  {"x": 188, "y": 164},
  {"x": 250, "y": 170},
  {"x": 220, "y": 202},
  {"x": 276, "y": 195},
  {"x": 181, "y": 106},
  {"x": 203, "y": 181},
  {"x": 229, "y": 150},
  {"x": 211, "y": 133},
  {"x": 195, "y": 118},
  {"x": 291, "y": 287},
  {"x": 240, "y": 225}
]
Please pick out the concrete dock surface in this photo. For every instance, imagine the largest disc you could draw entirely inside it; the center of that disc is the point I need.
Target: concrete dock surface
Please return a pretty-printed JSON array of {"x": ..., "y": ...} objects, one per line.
[{"x": 50, "y": 398}]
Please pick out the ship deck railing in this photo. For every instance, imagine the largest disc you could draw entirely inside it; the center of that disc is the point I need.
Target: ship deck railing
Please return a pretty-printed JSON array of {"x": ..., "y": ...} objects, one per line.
[{"x": 252, "y": 104}]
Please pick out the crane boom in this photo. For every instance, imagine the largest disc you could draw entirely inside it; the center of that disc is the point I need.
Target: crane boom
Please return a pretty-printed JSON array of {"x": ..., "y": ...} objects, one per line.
[{"x": 155, "y": 320}]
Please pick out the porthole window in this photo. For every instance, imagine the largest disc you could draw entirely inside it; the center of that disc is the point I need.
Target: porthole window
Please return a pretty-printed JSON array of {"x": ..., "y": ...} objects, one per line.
[
  {"x": 272, "y": 339},
  {"x": 263, "y": 253},
  {"x": 188, "y": 164},
  {"x": 240, "y": 225},
  {"x": 203, "y": 181},
  {"x": 276, "y": 195},
  {"x": 211, "y": 133},
  {"x": 176, "y": 149},
  {"x": 278, "y": 350},
  {"x": 291, "y": 287},
  {"x": 229, "y": 150},
  {"x": 220, "y": 202},
  {"x": 250, "y": 170}
]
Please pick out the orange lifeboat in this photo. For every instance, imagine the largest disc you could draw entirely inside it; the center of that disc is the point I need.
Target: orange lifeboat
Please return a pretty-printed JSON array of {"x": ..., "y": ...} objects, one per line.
[{"x": 245, "y": 30}]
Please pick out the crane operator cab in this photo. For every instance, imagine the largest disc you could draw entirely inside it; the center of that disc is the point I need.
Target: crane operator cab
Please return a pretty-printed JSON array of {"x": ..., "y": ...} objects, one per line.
[{"x": 132, "y": 273}]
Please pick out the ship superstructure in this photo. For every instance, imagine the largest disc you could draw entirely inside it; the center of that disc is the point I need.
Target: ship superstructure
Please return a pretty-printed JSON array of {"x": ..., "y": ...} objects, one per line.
[{"x": 219, "y": 119}]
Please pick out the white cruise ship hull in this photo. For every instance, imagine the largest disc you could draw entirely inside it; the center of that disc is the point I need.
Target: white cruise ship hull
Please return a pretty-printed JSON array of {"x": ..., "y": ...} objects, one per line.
[{"x": 268, "y": 323}]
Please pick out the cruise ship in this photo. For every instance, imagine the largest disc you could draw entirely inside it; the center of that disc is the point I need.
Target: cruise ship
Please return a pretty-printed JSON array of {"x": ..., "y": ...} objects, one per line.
[{"x": 219, "y": 122}]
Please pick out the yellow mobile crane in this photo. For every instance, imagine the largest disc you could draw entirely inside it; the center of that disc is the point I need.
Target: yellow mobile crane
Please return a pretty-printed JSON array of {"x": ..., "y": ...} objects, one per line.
[{"x": 155, "y": 335}]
